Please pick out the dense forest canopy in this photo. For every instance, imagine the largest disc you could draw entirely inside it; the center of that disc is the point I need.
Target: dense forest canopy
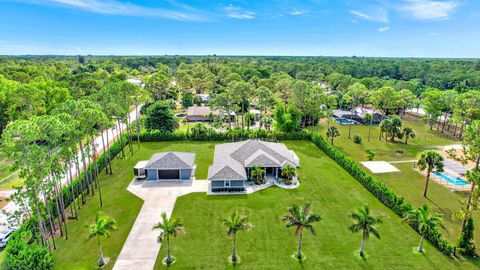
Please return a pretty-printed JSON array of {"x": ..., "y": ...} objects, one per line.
[{"x": 34, "y": 85}]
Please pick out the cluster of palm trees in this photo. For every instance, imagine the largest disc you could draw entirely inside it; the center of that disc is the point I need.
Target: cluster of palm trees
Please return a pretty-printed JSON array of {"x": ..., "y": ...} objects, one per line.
[{"x": 302, "y": 218}]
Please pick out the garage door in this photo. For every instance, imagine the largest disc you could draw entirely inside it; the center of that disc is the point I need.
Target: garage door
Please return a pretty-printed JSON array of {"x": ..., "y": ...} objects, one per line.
[{"x": 169, "y": 174}]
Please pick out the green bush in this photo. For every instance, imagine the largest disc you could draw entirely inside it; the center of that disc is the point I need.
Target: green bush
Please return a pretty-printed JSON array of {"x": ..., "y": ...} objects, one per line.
[
  {"x": 23, "y": 253},
  {"x": 357, "y": 139},
  {"x": 370, "y": 154}
]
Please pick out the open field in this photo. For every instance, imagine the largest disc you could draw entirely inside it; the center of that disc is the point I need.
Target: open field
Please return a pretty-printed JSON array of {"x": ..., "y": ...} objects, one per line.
[
  {"x": 426, "y": 139},
  {"x": 408, "y": 182},
  {"x": 270, "y": 244},
  {"x": 8, "y": 179},
  {"x": 80, "y": 253}
]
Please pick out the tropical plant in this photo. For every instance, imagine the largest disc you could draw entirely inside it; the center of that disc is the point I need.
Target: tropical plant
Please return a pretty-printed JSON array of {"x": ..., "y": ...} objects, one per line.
[
  {"x": 301, "y": 218},
  {"x": 168, "y": 227},
  {"x": 357, "y": 139},
  {"x": 429, "y": 160},
  {"x": 370, "y": 154},
  {"x": 369, "y": 120},
  {"x": 424, "y": 221},
  {"x": 365, "y": 224},
  {"x": 288, "y": 172},
  {"x": 257, "y": 173},
  {"x": 332, "y": 133},
  {"x": 408, "y": 133},
  {"x": 234, "y": 224},
  {"x": 101, "y": 228}
]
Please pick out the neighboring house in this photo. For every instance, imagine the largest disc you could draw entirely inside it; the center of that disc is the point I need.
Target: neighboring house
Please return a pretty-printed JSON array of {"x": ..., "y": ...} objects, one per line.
[
  {"x": 359, "y": 115},
  {"x": 199, "y": 114},
  {"x": 341, "y": 114},
  {"x": 233, "y": 161},
  {"x": 377, "y": 116},
  {"x": 205, "y": 97},
  {"x": 257, "y": 113},
  {"x": 167, "y": 166},
  {"x": 136, "y": 82}
]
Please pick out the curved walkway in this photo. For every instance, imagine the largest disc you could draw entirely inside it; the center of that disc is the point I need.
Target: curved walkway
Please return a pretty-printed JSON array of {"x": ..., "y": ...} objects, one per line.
[{"x": 141, "y": 247}]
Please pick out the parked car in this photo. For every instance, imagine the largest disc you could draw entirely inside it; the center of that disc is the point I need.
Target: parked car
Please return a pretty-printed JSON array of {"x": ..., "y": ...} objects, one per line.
[{"x": 5, "y": 236}]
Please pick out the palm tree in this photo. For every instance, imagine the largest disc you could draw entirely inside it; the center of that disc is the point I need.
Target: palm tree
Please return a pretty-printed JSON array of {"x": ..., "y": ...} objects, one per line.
[
  {"x": 257, "y": 174},
  {"x": 364, "y": 223},
  {"x": 301, "y": 218},
  {"x": 424, "y": 221},
  {"x": 289, "y": 172},
  {"x": 430, "y": 160},
  {"x": 101, "y": 228},
  {"x": 332, "y": 133},
  {"x": 168, "y": 227},
  {"x": 369, "y": 120},
  {"x": 408, "y": 133},
  {"x": 234, "y": 224}
]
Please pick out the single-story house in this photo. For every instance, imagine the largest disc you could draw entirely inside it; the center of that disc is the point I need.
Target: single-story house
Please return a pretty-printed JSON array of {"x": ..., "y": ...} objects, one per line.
[
  {"x": 377, "y": 116},
  {"x": 257, "y": 113},
  {"x": 233, "y": 161},
  {"x": 167, "y": 166},
  {"x": 199, "y": 114},
  {"x": 342, "y": 114},
  {"x": 359, "y": 114}
]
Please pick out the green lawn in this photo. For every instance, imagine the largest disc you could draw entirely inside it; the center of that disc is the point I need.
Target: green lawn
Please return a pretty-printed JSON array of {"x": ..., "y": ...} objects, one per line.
[
  {"x": 426, "y": 139},
  {"x": 80, "y": 253},
  {"x": 407, "y": 183},
  {"x": 5, "y": 172},
  {"x": 270, "y": 244}
]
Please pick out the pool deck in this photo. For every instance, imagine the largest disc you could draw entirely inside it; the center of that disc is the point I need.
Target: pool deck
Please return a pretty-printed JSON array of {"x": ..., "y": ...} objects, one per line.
[{"x": 452, "y": 187}]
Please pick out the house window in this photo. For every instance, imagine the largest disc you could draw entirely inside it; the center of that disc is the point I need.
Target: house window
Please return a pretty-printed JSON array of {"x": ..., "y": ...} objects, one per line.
[{"x": 227, "y": 183}]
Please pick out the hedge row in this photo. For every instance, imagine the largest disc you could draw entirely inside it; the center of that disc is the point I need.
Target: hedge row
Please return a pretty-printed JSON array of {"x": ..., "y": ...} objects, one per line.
[
  {"x": 380, "y": 190},
  {"x": 212, "y": 135}
]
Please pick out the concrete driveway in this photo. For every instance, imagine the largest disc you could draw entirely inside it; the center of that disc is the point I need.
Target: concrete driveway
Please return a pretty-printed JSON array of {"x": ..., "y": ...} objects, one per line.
[{"x": 141, "y": 247}]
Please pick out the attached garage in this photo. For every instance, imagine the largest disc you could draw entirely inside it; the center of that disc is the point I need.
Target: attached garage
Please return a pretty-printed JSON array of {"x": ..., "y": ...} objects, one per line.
[{"x": 168, "y": 174}]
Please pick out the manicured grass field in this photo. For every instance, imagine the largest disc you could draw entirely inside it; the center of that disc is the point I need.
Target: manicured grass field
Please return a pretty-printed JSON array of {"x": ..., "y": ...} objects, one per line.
[
  {"x": 334, "y": 195},
  {"x": 80, "y": 253},
  {"x": 426, "y": 139},
  {"x": 407, "y": 183}
]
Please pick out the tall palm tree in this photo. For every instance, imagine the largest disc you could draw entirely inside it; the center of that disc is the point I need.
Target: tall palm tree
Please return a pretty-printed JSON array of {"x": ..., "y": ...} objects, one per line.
[
  {"x": 234, "y": 224},
  {"x": 430, "y": 160},
  {"x": 257, "y": 174},
  {"x": 289, "y": 172},
  {"x": 408, "y": 133},
  {"x": 332, "y": 133},
  {"x": 101, "y": 228},
  {"x": 301, "y": 218},
  {"x": 424, "y": 221},
  {"x": 364, "y": 223},
  {"x": 369, "y": 120},
  {"x": 168, "y": 227}
]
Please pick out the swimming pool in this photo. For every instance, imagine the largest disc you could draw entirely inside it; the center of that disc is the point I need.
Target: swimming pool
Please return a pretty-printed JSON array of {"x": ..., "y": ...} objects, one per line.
[
  {"x": 344, "y": 121},
  {"x": 451, "y": 179}
]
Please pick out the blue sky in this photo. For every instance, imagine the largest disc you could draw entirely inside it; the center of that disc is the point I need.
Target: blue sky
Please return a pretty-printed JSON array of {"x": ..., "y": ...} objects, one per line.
[{"x": 401, "y": 28}]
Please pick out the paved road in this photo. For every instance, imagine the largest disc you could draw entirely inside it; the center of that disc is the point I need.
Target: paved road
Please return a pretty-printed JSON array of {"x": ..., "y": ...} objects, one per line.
[
  {"x": 113, "y": 132},
  {"x": 141, "y": 247}
]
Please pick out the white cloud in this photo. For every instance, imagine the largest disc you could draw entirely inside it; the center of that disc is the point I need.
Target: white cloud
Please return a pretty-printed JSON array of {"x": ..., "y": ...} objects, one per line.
[
  {"x": 373, "y": 14},
  {"x": 383, "y": 29},
  {"x": 297, "y": 12},
  {"x": 113, "y": 7},
  {"x": 428, "y": 9},
  {"x": 239, "y": 13}
]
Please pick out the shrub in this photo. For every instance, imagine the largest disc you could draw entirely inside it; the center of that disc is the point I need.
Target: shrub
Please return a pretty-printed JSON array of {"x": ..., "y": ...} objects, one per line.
[
  {"x": 370, "y": 154},
  {"x": 357, "y": 139},
  {"x": 23, "y": 253}
]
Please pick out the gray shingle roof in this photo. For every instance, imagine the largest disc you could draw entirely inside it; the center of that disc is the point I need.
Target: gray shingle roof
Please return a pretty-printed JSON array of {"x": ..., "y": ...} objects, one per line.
[
  {"x": 171, "y": 160},
  {"x": 235, "y": 157}
]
